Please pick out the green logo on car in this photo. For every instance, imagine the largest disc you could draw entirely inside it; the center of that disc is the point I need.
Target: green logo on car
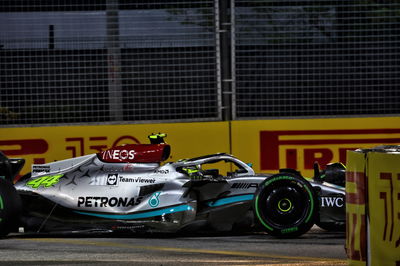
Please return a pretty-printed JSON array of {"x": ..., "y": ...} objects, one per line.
[{"x": 44, "y": 181}]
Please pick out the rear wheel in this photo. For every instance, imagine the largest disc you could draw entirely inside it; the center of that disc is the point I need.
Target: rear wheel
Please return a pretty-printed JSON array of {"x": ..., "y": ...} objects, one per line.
[
  {"x": 285, "y": 205},
  {"x": 10, "y": 207}
]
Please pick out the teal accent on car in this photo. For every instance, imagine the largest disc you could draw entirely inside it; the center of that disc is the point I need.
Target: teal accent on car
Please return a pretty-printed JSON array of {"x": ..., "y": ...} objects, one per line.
[
  {"x": 134, "y": 216},
  {"x": 229, "y": 200}
]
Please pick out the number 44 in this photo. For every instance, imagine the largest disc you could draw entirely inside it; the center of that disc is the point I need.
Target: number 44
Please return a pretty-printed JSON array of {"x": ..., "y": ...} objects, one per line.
[{"x": 44, "y": 181}]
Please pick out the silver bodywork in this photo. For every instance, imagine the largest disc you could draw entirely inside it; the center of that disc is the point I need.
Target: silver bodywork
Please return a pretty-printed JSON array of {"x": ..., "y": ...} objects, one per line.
[
  {"x": 117, "y": 191},
  {"x": 159, "y": 197}
]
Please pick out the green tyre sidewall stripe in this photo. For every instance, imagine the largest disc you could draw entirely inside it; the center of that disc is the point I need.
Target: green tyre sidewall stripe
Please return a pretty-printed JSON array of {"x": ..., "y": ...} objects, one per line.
[
  {"x": 257, "y": 198},
  {"x": 311, "y": 210},
  {"x": 311, "y": 197},
  {"x": 259, "y": 216}
]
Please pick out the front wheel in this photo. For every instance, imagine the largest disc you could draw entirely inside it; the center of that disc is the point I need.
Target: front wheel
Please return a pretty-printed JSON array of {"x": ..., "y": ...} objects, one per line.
[
  {"x": 10, "y": 207},
  {"x": 285, "y": 204}
]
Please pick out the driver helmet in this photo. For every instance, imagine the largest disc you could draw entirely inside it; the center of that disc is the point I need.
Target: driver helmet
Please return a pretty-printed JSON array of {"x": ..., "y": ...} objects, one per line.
[{"x": 193, "y": 171}]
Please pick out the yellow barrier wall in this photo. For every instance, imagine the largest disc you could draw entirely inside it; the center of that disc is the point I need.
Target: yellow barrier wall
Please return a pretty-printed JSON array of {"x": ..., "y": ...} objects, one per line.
[
  {"x": 383, "y": 171},
  {"x": 298, "y": 143},
  {"x": 373, "y": 208},
  {"x": 46, "y": 144},
  {"x": 268, "y": 144},
  {"x": 356, "y": 220}
]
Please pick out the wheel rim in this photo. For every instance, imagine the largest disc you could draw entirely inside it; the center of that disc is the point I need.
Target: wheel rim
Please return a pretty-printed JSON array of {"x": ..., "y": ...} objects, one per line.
[{"x": 285, "y": 206}]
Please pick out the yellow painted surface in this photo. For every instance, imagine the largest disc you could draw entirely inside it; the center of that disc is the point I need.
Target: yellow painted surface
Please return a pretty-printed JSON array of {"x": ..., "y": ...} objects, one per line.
[
  {"x": 267, "y": 144},
  {"x": 356, "y": 230},
  {"x": 383, "y": 172},
  {"x": 298, "y": 143},
  {"x": 186, "y": 139}
]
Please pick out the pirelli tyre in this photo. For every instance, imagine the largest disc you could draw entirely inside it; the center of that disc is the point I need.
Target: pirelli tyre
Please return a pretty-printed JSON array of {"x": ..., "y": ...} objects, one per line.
[
  {"x": 285, "y": 204},
  {"x": 10, "y": 208}
]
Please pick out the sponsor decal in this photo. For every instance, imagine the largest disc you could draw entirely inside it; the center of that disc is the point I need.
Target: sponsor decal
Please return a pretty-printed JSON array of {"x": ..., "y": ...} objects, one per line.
[
  {"x": 128, "y": 227},
  {"x": 44, "y": 181},
  {"x": 154, "y": 200},
  {"x": 128, "y": 167},
  {"x": 103, "y": 202},
  {"x": 356, "y": 226},
  {"x": 323, "y": 146},
  {"x": 277, "y": 179},
  {"x": 161, "y": 171},
  {"x": 289, "y": 230},
  {"x": 118, "y": 155},
  {"x": 112, "y": 180},
  {"x": 40, "y": 169},
  {"x": 387, "y": 194},
  {"x": 244, "y": 185},
  {"x": 34, "y": 148},
  {"x": 111, "y": 168},
  {"x": 137, "y": 180},
  {"x": 332, "y": 202},
  {"x": 24, "y": 146}
]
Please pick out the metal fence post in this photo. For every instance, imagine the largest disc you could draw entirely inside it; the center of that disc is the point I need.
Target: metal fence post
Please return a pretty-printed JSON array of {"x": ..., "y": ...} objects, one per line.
[
  {"x": 114, "y": 61},
  {"x": 223, "y": 24},
  {"x": 233, "y": 60}
]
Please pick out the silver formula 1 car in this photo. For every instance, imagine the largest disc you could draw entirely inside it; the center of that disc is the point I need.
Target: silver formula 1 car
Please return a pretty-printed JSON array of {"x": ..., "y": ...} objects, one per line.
[{"x": 127, "y": 189}]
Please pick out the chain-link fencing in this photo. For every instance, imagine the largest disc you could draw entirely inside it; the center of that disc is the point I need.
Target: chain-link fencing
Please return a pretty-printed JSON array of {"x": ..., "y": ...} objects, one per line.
[{"x": 124, "y": 61}]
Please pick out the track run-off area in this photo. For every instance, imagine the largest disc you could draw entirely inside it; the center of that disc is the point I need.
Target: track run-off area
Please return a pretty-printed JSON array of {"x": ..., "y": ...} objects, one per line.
[{"x": 317, "y": 247}]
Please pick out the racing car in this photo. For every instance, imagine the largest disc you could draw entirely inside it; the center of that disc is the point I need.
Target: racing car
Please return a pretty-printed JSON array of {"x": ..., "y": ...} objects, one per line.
[{"x": 131, "y": 189}]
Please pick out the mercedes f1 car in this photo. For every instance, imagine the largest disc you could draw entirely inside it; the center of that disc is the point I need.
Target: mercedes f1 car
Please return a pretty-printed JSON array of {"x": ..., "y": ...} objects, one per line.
[{"x": 128, "y": 189}]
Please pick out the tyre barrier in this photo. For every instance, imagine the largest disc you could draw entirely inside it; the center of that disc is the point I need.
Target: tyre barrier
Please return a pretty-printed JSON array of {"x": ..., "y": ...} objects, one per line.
[{"x": 373, "y": 206}]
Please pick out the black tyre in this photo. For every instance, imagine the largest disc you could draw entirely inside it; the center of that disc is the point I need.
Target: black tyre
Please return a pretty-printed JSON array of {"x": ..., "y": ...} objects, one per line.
[
  {"x": 285, "y": 204},
  {"x": 335, "y": 227},
  {"x": 10, "y": 208}
]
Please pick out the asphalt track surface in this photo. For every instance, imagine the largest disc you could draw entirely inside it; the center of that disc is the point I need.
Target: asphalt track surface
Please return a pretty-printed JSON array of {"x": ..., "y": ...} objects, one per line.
[{"x": 317, "y": 247}]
